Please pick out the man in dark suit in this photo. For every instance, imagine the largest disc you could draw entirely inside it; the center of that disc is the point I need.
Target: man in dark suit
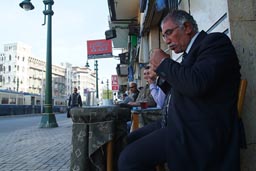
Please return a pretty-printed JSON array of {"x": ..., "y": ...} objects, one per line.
[{"x": 202, "y": 132}]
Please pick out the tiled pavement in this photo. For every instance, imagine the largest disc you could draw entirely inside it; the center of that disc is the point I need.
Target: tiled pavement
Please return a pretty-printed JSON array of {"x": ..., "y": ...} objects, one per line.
[{"x": 37, "y": 149}]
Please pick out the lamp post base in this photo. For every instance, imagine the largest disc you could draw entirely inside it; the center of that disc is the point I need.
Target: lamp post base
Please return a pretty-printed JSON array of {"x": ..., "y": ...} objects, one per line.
[{"x": 48, "y": 120}]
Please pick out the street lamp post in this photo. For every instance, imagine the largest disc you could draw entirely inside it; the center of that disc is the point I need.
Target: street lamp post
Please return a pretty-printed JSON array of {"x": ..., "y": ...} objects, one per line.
[
  {"x": 107, "y": 82},
  {"x": 97, "y": 86},
  {"x": 107, "y": 90},
  {"x": 18, "y": 84},
  {"x": 48, "y": 119},
  {"x": 96, "y": 72}
]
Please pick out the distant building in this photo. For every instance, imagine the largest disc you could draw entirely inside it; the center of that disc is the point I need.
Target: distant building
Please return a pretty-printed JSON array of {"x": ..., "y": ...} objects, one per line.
[
  {"x": 85, "y": 81},
  {"x": 20, "y": 71}
]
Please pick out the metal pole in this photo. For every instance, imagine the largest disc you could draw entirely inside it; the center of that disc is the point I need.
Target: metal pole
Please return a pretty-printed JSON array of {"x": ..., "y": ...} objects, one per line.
[
  {"x": 48, "y": 119},
  {"x": 42, "y": 83},
  {"x": 97, "y": 86},
  {"x": 18, "y": 83},
  {"x": 107, "y": 90}
]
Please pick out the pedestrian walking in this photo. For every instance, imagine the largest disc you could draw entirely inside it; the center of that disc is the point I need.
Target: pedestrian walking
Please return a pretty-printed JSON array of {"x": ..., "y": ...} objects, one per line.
[{"x": 74, "y": 100}]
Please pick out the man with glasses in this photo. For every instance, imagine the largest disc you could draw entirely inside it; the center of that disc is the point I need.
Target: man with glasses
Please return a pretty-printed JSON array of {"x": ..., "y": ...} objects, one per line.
[
  {"x": 202, "y": 131},
  {"x": 134, "y": 92},
  {"x": 131, "y": 96},
  {"x": 145, "y": 93}
]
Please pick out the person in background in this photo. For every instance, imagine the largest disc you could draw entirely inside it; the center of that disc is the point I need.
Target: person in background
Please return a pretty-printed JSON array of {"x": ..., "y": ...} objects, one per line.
[
  {"x": 202, "y": 131},
  {"x": 134, "y": 92},
  {"x": 74, "y": 100},
  {"x": 156, "y": 92},
  {"x": 131, "y": 96},
  {"x": 144, "y": 94},
  {"x": 161, "y": 98},
  {"x": 126, "y": 99}
]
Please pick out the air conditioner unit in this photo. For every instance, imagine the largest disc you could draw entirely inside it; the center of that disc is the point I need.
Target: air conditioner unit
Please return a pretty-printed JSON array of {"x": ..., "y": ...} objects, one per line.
[
  {"x": 122, "y": 70},
  {"x": 124, "y": 58}
]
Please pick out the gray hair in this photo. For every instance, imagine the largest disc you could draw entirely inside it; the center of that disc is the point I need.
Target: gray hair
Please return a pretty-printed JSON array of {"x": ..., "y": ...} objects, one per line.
[{"x": 179, "y": 17}]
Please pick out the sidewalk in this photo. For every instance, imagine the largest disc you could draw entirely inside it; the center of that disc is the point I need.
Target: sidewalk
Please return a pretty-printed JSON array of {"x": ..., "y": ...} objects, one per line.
[{"x": 37, "y": 149}]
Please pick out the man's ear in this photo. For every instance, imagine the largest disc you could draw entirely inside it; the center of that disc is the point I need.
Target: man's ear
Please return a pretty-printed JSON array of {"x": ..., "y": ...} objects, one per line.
[{"x": 188, "y": 28}]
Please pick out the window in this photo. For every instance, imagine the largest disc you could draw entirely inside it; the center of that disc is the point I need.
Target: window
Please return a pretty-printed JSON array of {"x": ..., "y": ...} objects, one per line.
[
  {"x": 4, "y": 100},
  {"x": 20, "y": 101},
  {"x": 10, "y": 57},
  {"x": 12, "y": 100}
]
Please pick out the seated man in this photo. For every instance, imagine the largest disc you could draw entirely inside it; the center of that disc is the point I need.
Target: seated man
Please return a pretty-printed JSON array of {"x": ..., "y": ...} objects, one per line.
[
  {"x": 202, "y": 133},
  {"x": 156, "y": 91},
  {"x": 144, "y": 94},
  {"x": 126, "y": 99},
  {"x": 134, "y": 92}
]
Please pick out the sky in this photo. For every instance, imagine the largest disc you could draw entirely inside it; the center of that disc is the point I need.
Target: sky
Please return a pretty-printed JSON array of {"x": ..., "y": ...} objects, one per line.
[{"x": 73, "y": 23}]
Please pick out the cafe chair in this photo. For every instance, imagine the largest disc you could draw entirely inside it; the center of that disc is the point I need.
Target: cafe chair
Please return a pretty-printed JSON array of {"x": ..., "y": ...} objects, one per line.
[
  {"x": 240, "y": 103},
  {"x": 109, "y": 156},
  {"x": 241, "y": 95}
]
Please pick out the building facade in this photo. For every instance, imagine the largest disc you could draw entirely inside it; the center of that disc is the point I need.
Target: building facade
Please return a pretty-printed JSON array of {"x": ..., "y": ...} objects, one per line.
[
  {"x": 21, "y": 72},
  {"x": 84, "y": 79}
]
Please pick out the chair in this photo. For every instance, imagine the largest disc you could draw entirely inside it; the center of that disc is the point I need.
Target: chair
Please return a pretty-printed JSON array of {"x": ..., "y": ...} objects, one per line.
[
  {"x": 241, "y": 95},
  {"x": 110, "y": 156},
  {"x": 240, "y": 102},
  {"x": 135, "y": 121}
]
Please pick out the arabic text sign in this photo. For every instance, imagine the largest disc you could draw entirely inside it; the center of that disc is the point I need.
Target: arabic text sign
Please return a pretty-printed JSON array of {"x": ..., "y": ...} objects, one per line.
[{"x": 99, "y": 48}]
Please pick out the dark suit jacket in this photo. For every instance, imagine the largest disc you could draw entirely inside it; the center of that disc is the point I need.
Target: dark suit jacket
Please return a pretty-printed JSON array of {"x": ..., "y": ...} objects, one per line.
[{"x": 202, "y": 118}]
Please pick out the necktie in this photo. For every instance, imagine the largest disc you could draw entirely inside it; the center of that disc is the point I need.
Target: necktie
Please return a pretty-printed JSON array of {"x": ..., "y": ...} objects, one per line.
[
  {"x": 165, "y": 109},
  {"x": 184, "y": 55}
]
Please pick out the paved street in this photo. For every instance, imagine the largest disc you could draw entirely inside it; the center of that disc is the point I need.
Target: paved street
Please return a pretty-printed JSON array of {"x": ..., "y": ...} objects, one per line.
[{"x": 36, "y": 149}]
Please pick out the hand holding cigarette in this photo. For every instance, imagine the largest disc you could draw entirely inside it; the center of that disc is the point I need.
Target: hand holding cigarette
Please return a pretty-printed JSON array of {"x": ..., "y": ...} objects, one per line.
[{"x": 156, "y": 57}]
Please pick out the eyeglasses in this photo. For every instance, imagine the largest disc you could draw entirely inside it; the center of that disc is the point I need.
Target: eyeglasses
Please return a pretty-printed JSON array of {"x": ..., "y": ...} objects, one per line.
[
  {"x": 131, "y": 87},
  {"x": 147, "y": 67},
  {"x": 169, "y": 32}
]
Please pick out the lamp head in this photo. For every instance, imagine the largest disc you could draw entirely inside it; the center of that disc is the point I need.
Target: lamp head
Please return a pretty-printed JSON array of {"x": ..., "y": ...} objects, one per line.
[
  {"x": 27, "y": 5},
  {"x": 87, "y": 65}
]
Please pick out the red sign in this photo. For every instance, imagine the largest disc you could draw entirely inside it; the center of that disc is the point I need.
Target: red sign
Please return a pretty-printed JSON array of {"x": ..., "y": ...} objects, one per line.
[
  {"x": 114, "y": 80},
  {"x": 99, "y": 48}
]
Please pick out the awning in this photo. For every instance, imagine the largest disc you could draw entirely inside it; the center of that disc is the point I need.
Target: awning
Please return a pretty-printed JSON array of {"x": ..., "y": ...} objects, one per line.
[{"x": 154, "y": 12}]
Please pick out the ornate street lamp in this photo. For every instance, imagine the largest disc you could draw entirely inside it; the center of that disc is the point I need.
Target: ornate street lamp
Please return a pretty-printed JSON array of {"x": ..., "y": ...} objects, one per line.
[
  {"x": 97, "y": 87},
  {"x": 48, "y": 119},
  {"x": 96, "y": 72},
  {"x": 87, "y": 64},
  {"x": 107, "y": 82}
]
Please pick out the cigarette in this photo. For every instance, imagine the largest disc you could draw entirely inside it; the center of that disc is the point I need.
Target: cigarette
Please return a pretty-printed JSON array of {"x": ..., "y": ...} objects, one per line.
[{"x": 167, "y": 50}]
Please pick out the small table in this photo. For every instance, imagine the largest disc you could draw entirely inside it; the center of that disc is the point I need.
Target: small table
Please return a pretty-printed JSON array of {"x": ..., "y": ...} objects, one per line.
[
  {"x": 92, "y": 128},
  {"x": 141, "y": 117}
]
